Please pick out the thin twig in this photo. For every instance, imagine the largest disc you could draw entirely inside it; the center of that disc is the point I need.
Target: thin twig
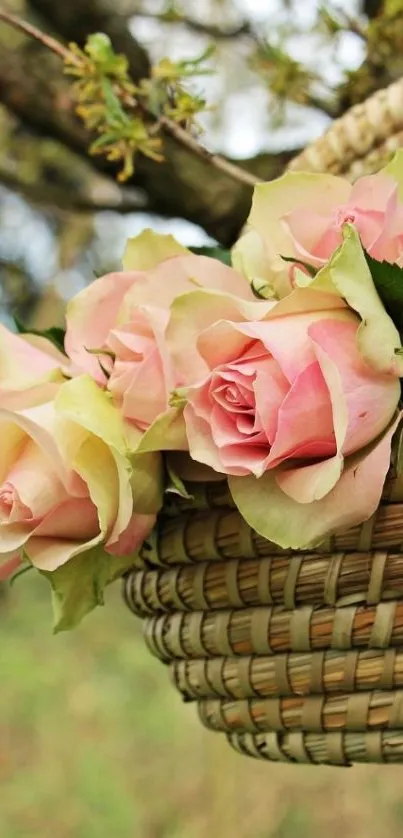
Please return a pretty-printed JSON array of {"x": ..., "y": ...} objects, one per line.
[
  {"x": 169, "y": 126},
  {"x": 352, "y": 24},
  {"x": 216, "y": 160},
  {"x": 33, "y": 31},
  {"x": 208, "y": 29}
]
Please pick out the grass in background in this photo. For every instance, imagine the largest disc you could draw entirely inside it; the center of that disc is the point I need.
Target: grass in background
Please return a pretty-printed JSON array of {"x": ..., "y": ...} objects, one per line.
[{"x": 95, "y": 743}]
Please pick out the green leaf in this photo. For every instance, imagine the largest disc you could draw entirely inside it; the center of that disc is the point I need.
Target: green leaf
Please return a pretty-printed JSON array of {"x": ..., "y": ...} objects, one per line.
[
  {"x": 219, "y": 253},
  {"x": 388, "y": 281},
  {"x": 78, "y": 585},
  {"x": 99, "y": 48},
  {"x": 114, "y": 110},
  {"x": 175, "y": 485},
  {"x": 55, "y": 334},
  {"x": 347, "y": 275},
  {"x": 21, "y": 572},
  {"x": 166, "y": 433},
  {"x": 104, "y": 140}
]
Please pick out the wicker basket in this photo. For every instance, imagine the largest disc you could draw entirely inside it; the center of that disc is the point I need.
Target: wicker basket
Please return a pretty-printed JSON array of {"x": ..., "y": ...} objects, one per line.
[{"x": 295, "y": 656}]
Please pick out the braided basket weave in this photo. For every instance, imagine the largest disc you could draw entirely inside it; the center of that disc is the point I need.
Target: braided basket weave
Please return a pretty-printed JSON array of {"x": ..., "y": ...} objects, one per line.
[{"x": 295, "y": 656}]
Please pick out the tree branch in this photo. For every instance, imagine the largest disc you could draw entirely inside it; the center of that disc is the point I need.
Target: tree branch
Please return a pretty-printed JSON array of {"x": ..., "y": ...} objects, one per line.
[
  {"x": 231, "y": 169},
  {"x": 168, "y": 125},
  {"x": 36, "y": 93},
  {"x": 33, "y": 31},
  {"x": 354, "y": 25},
  {"x": 216, "y": 32},
  {"x": 58, "y": 199}
]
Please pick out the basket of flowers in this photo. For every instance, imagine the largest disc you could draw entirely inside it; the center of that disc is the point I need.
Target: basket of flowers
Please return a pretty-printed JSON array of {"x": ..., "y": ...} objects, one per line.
[{"x": 228, "y": 440}]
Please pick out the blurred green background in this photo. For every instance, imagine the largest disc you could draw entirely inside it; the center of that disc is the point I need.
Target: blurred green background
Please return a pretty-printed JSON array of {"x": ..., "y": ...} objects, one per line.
[{"x": 95, "y": 743}]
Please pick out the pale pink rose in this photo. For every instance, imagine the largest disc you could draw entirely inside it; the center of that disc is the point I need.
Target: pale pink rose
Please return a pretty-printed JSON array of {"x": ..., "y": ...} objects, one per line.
[
  {"x": 289, "y": 393},
  {"x": 53, "y": 504},
  {"x": 372, "y": 206},
  {"x": 30, "y": 368},
  {"x": 301, "y": 215},
  {"x": 124, "y": 316}
]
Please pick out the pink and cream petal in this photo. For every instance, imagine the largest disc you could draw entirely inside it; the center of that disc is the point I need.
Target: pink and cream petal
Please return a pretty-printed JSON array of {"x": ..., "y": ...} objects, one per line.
[
  {"x": 90, "y": 316},
  {"x": 305, "y": 420},
  {"x": 370, "y": 397},
  {"x": 201, "y": 445},
  {"x": 38, "y": 423},
  {"x": 311, "y": 234},
  {"x": 9, "y": 565},
  {"x": 289, "y": 524},
  {"x": 167, "y": 433},
  {"x": 272, "y": 201},
  {"x": 34, "y": 478},
  {"x": 48, "y": 553},
  {"x": 348, "y": 274},
  {"x": 309, "y": 483},
  {"x": 14, "y": 536},
  {"x": 132, "y": 537},
  {"x": 191, "y": 315},
  {"x": 75, "y": 518}
]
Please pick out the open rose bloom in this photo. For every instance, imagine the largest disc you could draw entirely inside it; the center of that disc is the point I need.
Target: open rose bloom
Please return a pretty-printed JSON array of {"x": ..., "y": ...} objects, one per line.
[
  {"x": 116, "y": 326},
  {"x": 301, "y": 215},
  {"x": 294, "y": 400},
  {"x": 293, "y": 397},
  {"x": 72, "y": 492}
]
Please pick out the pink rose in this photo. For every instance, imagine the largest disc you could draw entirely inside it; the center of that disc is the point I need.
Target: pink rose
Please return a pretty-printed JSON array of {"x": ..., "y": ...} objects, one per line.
[
  {"x": 302, "y": 215},
  {"x": 274, "y": 395},
  {"x": 65, "y": 482},
  {"x": 279, "y": 397},
  {"x": 372, "y": 206},
  {"x": 124, "y": 316}
]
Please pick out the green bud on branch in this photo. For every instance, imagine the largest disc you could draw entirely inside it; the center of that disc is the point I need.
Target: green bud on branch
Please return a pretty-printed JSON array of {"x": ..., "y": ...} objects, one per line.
[{"x": 126, "y": 116}]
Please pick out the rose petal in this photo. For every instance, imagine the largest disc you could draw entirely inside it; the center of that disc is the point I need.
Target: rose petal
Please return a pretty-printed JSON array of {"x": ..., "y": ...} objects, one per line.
[
  {"x": 371, "y": 398},
  {"x": 36, "y": 481},
  {"x": 48, "y": 553},
  {"x": 347, "y": 275},
  {"x": 272, "y": 201},
  {"x": 140, "y": 403},
  {"x": 75, "y": 518},
  {"x": 90, "y": 316},
  {"x": 270, "y": 388},
  {"x": 305, "y": 420},
  {"x": 191, "y": 315},
  {"x": 9, "y": 565},
  {"x": 354, "y": 498},
  {"x": 201, "y": 445},
  {"x": 24, "y": 358},
  {"x": 149, "y": 249},
  {"x": 133, "y": 536},
  {"x": 312, "y": 235}
]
